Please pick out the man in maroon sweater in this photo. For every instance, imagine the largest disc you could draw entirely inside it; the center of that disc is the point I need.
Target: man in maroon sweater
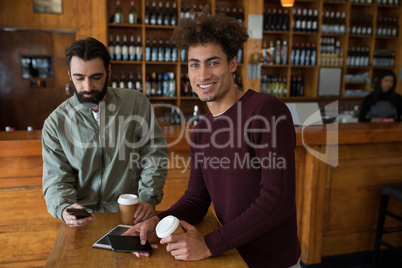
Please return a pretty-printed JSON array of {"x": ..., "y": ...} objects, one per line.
[{"x": 242, "y": 158}]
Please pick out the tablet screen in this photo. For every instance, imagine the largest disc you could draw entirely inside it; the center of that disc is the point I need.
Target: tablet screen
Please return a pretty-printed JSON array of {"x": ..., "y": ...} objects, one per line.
[{"x": 103, "y": 242}]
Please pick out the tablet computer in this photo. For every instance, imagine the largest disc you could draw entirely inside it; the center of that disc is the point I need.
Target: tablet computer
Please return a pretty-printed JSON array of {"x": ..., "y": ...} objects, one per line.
[{"x": 103, "y": 242}]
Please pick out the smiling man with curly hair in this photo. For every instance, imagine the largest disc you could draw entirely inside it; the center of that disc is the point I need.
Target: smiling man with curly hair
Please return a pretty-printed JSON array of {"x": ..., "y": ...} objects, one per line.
[{"x": 242, "y": 158}]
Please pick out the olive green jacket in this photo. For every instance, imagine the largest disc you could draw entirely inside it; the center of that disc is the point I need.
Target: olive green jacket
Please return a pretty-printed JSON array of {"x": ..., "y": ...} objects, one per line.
[{"x": 93, "y": 165}]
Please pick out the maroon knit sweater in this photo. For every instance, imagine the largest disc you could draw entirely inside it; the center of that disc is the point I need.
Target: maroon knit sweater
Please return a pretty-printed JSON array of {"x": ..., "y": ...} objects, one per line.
[{"x": 243, "y": 160}]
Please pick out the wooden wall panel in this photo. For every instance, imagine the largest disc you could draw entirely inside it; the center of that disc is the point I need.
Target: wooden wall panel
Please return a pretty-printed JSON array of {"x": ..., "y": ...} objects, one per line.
[
  {"x": 20, "y": 105},
  {"x": 352, "y": 197}
]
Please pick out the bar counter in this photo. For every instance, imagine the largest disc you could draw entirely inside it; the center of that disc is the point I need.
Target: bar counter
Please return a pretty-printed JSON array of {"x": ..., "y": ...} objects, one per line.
[{"x": 338, "y": 180}]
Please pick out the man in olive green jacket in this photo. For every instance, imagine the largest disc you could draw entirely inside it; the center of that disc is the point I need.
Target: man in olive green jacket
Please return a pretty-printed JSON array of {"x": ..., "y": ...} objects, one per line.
[{"x": 101, "y": 143}]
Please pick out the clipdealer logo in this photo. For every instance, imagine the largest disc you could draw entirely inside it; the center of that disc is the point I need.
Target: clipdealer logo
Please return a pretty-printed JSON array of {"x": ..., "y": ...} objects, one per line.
[
  {"x": 331, "y": 155},
  {"x": 118, "y": 124}
]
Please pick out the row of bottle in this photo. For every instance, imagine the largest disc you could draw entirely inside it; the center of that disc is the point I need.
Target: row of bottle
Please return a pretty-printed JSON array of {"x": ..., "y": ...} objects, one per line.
[
  {"x": 276, "y": 20},
  {"x": 362, "y": 1},
  {"x": 334, "y": 22},
  {"x": 125, "y": 51},
  {"x": 231, "y": 12},
  {"x": 130, "y": 83},
  {"x": 389, "y": 2},
  {"x": 361, "y": 24},
  {"x": 275, "y": 85},
  {"x": 379, "y": 2},
  {"x": 274, "y": 55},
  {"x": 162, "y": 52},
  {"x": 296, "y": 86},
  {"x": 160, "y": 85},
  {"x": 384, "y": 58},
  {"x": 358, "y": 56},
  {"x": 387, "y": 26},
  {"x": 165, "y": 16},
  {"x": 331, "y": 53},
  {"x": 305, "y": 20},
  {"x": 118, "y": 14},
  {"x": 304, "y": 54}
]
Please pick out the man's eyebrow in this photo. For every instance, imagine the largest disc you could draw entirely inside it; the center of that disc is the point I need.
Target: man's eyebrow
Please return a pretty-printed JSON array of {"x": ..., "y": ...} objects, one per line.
[
  {"x": 208, "y": 59},
  {"x": 92, "y": 75}
]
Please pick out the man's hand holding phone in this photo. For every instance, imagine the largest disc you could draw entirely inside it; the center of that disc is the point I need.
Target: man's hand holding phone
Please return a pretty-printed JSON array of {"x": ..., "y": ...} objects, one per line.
[{"x": 75, "y": 218}]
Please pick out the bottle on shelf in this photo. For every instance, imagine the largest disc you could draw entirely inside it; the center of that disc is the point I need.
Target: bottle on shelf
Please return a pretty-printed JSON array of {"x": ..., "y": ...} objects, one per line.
[
  {"x": 285, "y": 21},
  {"x": 124, "y": 49},
  {"x": 272, "y": 54},
  {"x": 147, "y": 13},
  {"x": 147, "y": 50},
  {"x": 172, "y": 85},
  {"x": 131, "y": 49},
  {"x": 167, "y": 16},
  {"x": 148, "y": 86},
  {"x": 173, "y": 18},
  {"x": 132, "y": 15},
  {"x": 117, "y": 48},
  {"x": 138, "y": 49},
  {"x": 161, "y": 51},
  {"x": 138, "y": 83},
  {"x": 111, "y": 47},
  {"x": 114, "y": 81},
  {"x": 278, "y": 52},
  {"x": 284, "y": 53},
  {"x": 168, "y": 50},
  {"x": 154, "y": 84},
  {"x": 118, "y": 14},
  {"x": 153, "y": 15},
  {"x": 154, "y": 51},
  {"x": 174, "y": 53},
  {"x": 267, "y": 17},
  {"x": 160, "y": 15},
  {"x": 122, "y": 83},
  {"x": 130, "y": 82}
]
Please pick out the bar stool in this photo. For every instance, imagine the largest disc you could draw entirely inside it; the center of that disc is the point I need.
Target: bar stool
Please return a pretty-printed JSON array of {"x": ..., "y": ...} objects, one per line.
[{"x": 393, "y": 190}]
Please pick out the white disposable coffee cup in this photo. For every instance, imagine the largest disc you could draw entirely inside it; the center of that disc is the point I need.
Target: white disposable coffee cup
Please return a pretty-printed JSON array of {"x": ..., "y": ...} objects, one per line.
[
  {"x": 128, "y": 204},
  {"x": 167, "y": 226}
]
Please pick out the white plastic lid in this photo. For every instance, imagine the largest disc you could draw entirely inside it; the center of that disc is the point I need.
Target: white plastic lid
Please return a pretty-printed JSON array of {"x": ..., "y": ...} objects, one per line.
[
  {"x": 128, "y": 199},
  {"x": 167, "y": 226}
]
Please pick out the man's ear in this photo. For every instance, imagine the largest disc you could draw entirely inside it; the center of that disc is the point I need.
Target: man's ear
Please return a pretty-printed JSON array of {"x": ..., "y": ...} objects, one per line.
[
  {"x": 233, "y": 64},
  {"x": 109, "y": 70}
]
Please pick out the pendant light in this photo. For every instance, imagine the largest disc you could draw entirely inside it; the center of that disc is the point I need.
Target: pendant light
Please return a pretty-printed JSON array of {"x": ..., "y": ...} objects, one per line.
[{"x": 287, "y": 3}]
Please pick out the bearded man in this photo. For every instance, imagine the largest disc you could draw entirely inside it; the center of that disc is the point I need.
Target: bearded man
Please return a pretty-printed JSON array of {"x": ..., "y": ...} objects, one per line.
[{"x": 101, "y": 143}]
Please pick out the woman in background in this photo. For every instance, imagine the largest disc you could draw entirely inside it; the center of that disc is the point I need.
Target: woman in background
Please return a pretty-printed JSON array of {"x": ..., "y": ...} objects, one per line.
[{"x": 383, "y": 104}]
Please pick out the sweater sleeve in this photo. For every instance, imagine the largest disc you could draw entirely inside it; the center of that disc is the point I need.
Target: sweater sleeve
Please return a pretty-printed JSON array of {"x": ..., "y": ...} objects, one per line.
[
  {"x": 194, "y": 204},
  {"x": 276, "y": 203},
  {"x": 59, "y": 177}
]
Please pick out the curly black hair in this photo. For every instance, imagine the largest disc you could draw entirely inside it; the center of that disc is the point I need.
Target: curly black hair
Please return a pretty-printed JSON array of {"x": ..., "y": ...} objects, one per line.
[{"x": 205, "y": 28}]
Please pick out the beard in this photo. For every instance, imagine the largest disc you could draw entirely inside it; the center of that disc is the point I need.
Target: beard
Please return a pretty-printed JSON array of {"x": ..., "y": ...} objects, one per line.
[{"x": 94, "y": 101}]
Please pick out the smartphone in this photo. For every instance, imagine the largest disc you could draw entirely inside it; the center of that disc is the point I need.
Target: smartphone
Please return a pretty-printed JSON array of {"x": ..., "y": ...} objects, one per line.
[
  {"x": 128, "y": 244},
  {"x": 78, "y": 212}
]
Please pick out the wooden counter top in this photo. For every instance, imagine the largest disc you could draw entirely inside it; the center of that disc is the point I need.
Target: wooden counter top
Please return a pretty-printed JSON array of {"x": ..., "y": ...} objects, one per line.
[{"x": 351, "y": 133}]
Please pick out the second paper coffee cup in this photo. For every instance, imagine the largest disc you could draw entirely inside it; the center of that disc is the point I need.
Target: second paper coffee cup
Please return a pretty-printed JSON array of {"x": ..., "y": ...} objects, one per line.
[
  {"x": 167, "y": 226},
  {"x": 128, "y": 204}
]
